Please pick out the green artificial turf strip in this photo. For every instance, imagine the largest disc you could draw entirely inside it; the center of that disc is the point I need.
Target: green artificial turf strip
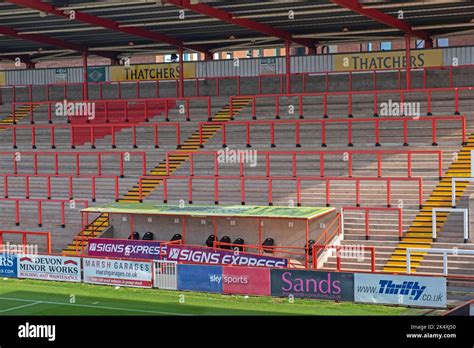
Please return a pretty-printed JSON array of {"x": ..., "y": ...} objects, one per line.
[{"x": 33, "y": 297}]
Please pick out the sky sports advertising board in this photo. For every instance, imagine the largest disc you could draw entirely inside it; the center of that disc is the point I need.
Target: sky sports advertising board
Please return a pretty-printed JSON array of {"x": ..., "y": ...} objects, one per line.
[
  {"x": 118, "y": 272},
  {"x": 203, "y": 278}
]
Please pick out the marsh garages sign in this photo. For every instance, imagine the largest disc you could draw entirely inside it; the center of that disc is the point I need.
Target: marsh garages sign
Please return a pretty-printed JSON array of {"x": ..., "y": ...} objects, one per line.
[
  {"x": 400, "y": 289},
  {"x": 59, "y": 268},
  {"x": 118, "y": 272}
]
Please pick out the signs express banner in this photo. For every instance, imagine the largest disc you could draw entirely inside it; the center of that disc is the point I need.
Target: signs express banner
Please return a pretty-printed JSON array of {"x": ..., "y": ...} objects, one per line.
[
  {"x": 124, "y": 248},
  {"x": 196, "y": 254},
  {"x": 45, "y": 267},
  {"x": 8, "y": 265},
  {"x": 400, "y": 289},
  {"x": 118, "y": 272},
  {"x": 313, "y": 284}
]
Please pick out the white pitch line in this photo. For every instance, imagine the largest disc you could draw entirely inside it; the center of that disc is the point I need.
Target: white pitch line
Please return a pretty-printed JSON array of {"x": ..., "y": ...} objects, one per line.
[
  {"x": 18, "y": 307},
  {"x": 89, "y": 306}
]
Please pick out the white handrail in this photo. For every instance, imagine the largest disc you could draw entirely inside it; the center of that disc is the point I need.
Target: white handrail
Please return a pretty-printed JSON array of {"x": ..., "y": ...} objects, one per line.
[
  {"x": 445, "y": 252},
  {"x": 465, "y": 213},
  {"x": 453, "y": 188}
]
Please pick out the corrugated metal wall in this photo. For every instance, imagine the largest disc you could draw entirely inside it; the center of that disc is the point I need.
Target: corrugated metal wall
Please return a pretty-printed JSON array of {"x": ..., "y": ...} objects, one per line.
[
  {"x": 464, "y": 55},
  {"x": 302, "y": 64},
  {"x": 44, "y": 76},
  {"x": 237, "y": 67},
  {"x": 241, "y": 67}
]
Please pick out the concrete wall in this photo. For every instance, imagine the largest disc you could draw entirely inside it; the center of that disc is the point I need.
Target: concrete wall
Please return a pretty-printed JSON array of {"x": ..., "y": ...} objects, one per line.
[{"x": 339, "y": 82}]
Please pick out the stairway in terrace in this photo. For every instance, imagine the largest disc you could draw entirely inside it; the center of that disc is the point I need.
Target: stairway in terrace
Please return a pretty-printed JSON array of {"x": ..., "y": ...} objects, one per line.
[
  {"x": 419, "y": 234},
  {"x": 20, "y": 113},
  {"x": 177, "y": 159}
]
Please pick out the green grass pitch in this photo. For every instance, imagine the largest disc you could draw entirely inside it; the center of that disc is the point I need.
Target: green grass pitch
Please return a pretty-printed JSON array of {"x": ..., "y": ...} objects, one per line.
[{"x": 32, "y": 297}]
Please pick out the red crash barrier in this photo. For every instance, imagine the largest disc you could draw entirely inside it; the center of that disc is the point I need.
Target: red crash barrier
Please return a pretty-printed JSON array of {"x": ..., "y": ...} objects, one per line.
[
  {"x": 269, "y": 181},
  {"x": 24, "y": 237},
  {"x": 91, "y": 130},
  {"x": 40, "y": 202},
  {"x": 112, "y": 110},
  {"x": 348, "y": 156},
  {"x": 69, "y": 178},
  {"x": 432, "y": 121},
  {"x": 57, "y": 157},
  {"x": 340, "y": 250},
  {"x": 298, "y": 107},
  {"x": 367, "y": 210}
]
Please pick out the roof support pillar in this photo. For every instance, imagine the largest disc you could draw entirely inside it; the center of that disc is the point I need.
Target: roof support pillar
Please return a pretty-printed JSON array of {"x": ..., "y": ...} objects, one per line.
[
  {"x": 288, "y": 66},
  {"x": 85, "y": 86},
  {"x": 408, "y": 61},
  {"x": 208, "y": 56},
  {"x": 181, "y": 72},
  {"x": 429, "y": 43},
  {"x": 311, "y": 51}
]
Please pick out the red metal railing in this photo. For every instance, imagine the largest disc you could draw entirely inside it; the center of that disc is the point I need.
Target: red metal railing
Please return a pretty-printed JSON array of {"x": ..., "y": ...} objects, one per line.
[
  {"x": 136, "y": 85},
  {"x": 432, "y": 121},
  {"x": 24, "y": 236},
  {"x": 69, "y": 178},
  {"x": 327, "y": 236},
  {"x": 269, "y": 182},
  {"x": 348, "y": 156},
  {"x": 57, "y": 157},
  {"x": 298, "y": 107},
  {"x": 122, "y": 110},
  {"x": 342, "y": 248},
  {"x": 71, "y": 129},
  {"x": 93, "y": 231},
  {"x": 283, "y": 251},
  {"x": 332, "y": 230},
  {"x": 367, "y": 211},
  {"x": 40, "y": 202}
]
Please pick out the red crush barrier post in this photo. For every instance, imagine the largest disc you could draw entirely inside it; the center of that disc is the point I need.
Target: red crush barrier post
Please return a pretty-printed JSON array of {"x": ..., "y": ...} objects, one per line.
[
  {"x": 270, "y": 192},
  {"x": 389, "y": 192},
  {"x": 298, "y": 192},
  {"x": 433, "y": 132},
  {"x": 409, "y": 164}
]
